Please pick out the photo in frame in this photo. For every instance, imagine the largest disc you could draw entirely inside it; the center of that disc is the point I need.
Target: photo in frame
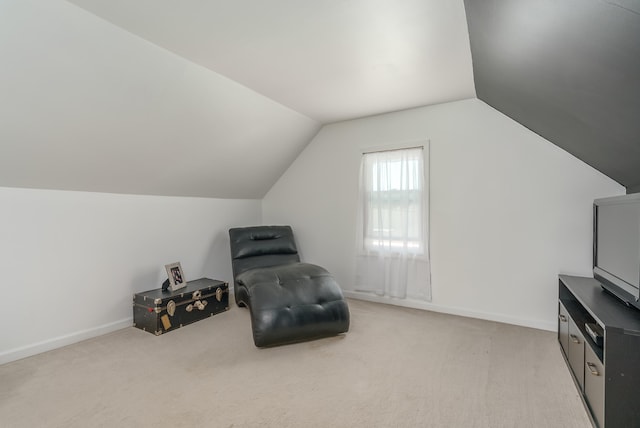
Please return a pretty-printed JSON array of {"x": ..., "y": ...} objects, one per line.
[{"x": 176, "y": 276}]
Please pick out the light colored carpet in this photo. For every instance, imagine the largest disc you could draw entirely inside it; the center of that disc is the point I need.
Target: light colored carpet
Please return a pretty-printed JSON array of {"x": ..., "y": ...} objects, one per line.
[{"x": 397, "y": 367}]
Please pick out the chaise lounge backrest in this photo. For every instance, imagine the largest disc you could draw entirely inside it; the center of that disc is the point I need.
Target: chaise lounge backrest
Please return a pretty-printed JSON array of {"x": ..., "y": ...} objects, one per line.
[{"x": 261, "y": 246}]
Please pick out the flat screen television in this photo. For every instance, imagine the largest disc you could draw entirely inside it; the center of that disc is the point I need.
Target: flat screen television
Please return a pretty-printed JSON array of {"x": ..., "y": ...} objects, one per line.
[{"x": 616, "y": 246}]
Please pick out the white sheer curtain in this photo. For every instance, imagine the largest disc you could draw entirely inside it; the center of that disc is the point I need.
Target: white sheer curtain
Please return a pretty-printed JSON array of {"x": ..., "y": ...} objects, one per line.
[{"x": 392, "y": 243}]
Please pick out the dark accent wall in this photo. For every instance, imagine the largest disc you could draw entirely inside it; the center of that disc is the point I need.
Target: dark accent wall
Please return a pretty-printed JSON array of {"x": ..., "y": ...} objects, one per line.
[{"x": 568, "y": 70}]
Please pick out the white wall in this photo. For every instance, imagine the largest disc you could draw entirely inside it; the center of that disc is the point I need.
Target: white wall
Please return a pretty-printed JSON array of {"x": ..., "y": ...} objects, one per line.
[
  {"x": 509, "y": 210},
  {"x": 72, "y": 260}
]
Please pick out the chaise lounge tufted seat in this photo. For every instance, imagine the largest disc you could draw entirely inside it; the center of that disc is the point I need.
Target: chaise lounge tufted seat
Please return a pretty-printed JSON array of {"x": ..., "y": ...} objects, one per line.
[{"x": 288, "y": 301}]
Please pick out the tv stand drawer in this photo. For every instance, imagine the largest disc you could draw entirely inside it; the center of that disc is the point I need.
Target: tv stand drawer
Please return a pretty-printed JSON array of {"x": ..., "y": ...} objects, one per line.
[
  {"x": 563, "y": 328},
  {"x": 594, "y": 384},
  {"x": 576, "y": 352}
]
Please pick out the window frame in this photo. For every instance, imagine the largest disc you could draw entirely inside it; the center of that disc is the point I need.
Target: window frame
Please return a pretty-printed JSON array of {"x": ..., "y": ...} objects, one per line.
[{"x": 383, "y": 247}]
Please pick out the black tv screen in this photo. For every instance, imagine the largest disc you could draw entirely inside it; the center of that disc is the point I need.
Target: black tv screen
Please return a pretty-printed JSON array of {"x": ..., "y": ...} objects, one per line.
[{"x": 616, "y": 246}]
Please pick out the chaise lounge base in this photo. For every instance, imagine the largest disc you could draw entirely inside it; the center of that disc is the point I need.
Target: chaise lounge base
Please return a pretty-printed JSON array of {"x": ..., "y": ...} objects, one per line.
[{"x": 294, "y": 302}]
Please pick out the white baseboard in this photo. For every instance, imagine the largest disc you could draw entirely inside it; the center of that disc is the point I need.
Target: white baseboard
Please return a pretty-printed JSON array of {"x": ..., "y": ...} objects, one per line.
[
  {"x": 417, "y": 304},
  {"x": 58, "y": 342}
]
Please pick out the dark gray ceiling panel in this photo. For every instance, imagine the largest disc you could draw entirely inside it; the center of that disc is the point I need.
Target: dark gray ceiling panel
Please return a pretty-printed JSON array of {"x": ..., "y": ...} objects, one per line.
[{"x": 568, "y": 70}]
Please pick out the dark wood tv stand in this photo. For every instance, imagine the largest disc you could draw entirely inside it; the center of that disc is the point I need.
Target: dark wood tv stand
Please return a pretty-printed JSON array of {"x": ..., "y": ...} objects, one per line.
[{"x": 607, "y": 376}]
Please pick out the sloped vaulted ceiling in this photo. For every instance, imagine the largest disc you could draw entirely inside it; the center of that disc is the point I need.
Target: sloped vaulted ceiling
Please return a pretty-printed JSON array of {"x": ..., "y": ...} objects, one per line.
[
  {"x": 87, "y": 106},
  {"x": 568, "y": 70},
  {"x": 216, "y": 98},
  {"x": 330, "y": 60},
  {"x": 207, "y": 98}
]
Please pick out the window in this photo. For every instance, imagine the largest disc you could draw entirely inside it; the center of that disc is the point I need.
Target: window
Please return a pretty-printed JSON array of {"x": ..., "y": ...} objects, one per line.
[
  {"x": 392, "y": 255},
  {"x": 392, "y": 186}
]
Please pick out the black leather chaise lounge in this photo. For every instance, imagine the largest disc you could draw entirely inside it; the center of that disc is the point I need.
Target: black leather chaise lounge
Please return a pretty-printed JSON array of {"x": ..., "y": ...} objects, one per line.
[{"x": 289, "y": 301}]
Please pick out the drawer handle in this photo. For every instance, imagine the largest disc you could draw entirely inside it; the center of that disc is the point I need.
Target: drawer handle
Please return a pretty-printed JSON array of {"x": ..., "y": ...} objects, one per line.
[
  {"x": 562, "y": 318},
  {"x": 593, "y": 369},
  {"x": 574, "y": 338}
]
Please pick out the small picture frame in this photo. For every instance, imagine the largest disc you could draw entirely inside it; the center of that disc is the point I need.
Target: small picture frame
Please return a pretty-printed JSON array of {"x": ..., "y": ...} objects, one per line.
[{"x": 176, "y": 276}]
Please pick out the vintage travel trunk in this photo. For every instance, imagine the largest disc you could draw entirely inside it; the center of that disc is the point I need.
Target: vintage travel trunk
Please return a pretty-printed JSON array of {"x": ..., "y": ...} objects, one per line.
[{"x": 158, "y": 311}]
